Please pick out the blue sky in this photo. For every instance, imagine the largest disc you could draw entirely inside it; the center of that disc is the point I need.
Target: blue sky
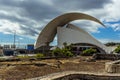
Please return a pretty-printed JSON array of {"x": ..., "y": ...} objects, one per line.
[
  {"x": 29, "y": 17},
  {"x": 19, "y": 40},
  {"x": 107, "y": 35}
]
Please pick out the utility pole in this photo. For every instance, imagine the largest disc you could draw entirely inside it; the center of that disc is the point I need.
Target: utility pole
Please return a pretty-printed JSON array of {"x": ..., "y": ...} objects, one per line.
[{"x": 14, "y": 39}]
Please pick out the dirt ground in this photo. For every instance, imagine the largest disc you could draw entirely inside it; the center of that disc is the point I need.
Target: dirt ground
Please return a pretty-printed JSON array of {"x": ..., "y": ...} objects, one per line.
[{"x": 27, "y": 69}]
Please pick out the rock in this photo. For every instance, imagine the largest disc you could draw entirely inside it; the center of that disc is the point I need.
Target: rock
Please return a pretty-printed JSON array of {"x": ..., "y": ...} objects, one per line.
[
  {"x": 90, "y": 60},
  {"x": 112, "y": 67}
]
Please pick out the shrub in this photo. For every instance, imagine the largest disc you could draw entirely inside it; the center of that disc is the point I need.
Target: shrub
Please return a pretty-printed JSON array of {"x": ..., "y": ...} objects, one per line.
[
  {"x": 69, "y": 54},
  {"x": 23, "y": 56},
  {"x": 64, "y": 52},
  {"x": 117, "y": 50},
  {"x": 39, "y": 55},
  {"x": 57, "y": 52},
  {"x": 89, "y": 52}
]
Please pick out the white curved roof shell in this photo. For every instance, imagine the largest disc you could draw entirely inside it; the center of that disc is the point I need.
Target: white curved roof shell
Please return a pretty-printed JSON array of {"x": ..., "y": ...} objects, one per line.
[{"x": 73, "y": 34}]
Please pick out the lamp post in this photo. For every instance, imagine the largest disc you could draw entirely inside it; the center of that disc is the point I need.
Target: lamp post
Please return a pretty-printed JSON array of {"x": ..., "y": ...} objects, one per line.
[{"x": 14, "y": 39}]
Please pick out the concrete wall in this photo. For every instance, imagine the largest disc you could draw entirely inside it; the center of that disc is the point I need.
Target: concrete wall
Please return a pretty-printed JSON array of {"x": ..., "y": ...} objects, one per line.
[
  {"x": 87, "y": 77},
  {"x": 106, "y": 56}
]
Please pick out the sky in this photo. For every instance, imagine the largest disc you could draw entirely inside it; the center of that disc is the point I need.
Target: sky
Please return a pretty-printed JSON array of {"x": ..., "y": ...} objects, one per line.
[{"x": 26, "y": 18}]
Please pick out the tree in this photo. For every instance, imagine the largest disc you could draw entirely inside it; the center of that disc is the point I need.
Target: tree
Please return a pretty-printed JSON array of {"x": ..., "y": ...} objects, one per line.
[
  {"x": 112, "y": 44},
  {"x": 117, "y": 50}
]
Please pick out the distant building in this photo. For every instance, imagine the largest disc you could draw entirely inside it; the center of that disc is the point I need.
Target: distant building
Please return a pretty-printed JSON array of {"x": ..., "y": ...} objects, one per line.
[
  {"x": 1, "y": 50},
  {"x": 6, "y": 47},
  {"x": 13, "y": 46},
  {"x": 8, "y": 52},
  {"x": 1, "y": 47},
  {"x": 30, "y": 47},
  {"x": 9, "y": 46},
  {"x": 111, "y": 48}
]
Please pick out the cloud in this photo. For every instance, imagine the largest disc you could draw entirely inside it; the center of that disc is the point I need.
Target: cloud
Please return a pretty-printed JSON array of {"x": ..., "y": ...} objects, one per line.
[
  {"x": 29, "y": 17},
  {"x": 83, "y": 5},
  {"x": 89, "y": 27},
  {"x": 21, "y": 38}
]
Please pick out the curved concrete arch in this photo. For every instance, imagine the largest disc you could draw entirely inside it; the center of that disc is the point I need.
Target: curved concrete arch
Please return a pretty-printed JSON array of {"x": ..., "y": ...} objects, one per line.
[{"x": 48, "y": 33}]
